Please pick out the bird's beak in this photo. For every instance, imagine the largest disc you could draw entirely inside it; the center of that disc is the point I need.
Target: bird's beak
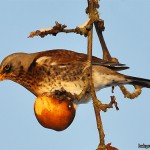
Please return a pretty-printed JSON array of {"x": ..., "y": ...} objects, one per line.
[{"x": 2, "y": 76}]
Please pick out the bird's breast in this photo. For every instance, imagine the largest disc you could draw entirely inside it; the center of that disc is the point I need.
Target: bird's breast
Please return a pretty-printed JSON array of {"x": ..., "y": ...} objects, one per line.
[{"x": 47, "y": 79}]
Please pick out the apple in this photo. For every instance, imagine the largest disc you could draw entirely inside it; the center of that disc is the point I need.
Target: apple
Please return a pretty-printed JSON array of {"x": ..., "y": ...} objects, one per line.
[{"x": 53, "y": 113}]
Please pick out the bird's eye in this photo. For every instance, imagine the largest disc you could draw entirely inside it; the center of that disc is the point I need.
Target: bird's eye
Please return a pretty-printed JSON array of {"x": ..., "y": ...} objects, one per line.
[{"x": 7, "y": 67}]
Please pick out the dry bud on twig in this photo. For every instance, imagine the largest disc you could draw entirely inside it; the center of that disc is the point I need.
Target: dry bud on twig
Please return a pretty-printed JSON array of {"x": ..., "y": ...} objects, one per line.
[{"x": 57, "y": 28}]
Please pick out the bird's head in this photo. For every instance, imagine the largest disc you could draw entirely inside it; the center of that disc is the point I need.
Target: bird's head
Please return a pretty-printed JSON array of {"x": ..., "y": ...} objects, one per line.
[{"x": 15, "y": 64}]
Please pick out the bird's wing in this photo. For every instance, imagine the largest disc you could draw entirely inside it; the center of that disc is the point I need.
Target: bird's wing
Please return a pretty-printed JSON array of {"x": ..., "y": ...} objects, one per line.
[{"x": 62, "y": 57}]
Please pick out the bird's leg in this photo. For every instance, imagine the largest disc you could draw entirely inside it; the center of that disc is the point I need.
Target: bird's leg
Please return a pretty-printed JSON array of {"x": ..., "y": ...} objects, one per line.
[
  {"x": 130, "y": 95},
  {"x": 104, "y": 107}
]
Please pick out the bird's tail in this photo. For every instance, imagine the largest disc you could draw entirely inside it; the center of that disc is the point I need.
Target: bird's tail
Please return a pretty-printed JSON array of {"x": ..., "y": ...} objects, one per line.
[{"x": 139, "y": 81}]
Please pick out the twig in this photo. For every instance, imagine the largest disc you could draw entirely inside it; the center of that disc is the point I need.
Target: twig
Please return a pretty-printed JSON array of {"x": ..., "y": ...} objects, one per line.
[
  {"x": 99, "y": 26},
  {"x": 58, "y": 28},
  {"x": 137, "y": 91},
  {"x": 93, "y": 94},
  {"x": 51, "y": 31},
  {"x": 94, "y": 98}
]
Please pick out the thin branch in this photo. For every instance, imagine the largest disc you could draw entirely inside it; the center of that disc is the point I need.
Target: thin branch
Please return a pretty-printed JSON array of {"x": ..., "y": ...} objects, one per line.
[
  {"x": 51, "y": 31},
  {"x": 93, "y": 94},
  {"x": 94, "y": 97},
  {"x": 59, "y": 28},
  {"x": 137, "y": 91},
  {"x": 99, "y": 26}
]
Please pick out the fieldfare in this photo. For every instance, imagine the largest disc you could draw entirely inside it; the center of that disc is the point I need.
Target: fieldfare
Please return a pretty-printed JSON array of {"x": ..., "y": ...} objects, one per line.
[{"x": 62, "y": 70}]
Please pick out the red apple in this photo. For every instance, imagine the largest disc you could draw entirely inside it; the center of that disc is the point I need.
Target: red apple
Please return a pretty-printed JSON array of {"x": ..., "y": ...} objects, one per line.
[{"x": 54, "y": 113}]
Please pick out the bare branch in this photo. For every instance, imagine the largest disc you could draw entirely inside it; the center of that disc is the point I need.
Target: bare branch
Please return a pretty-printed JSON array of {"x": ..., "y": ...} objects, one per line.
[
  {"x": 130, "y": 95},
  {"x": 59, "y": 28},
  {"x": 92, "y": 13},
  {"x": 51, "y": 31}
]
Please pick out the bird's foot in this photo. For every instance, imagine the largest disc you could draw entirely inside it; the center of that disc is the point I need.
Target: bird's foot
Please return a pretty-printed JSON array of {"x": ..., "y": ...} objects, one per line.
[
  {"x": 104, "y": 107},
  {"x": 63, "y": 95}
]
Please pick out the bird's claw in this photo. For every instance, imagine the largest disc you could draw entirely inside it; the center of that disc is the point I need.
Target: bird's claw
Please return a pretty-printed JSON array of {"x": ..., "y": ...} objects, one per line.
[
  {"x": 113, "y": 88},
  {"x": 104, "y": 107}
]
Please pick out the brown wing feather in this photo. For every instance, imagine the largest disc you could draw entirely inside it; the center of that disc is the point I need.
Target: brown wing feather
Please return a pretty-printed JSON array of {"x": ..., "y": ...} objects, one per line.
[
  {"x": 62, "y": 56},
  {"x": 66, "y": 56}
]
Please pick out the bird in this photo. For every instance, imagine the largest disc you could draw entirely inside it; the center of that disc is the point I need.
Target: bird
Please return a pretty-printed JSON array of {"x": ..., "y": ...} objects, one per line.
[{"x": 63, "y": 70}]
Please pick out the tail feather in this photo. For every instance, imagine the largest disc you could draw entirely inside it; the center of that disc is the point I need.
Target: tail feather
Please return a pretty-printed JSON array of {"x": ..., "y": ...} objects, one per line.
[
  {"x": 118, "y": 68},
  {"x": 139, "y": 81}
]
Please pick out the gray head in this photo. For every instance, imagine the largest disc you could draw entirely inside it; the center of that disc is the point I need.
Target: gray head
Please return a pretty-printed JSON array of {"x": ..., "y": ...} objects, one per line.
[{"x": 13, "y": 64}]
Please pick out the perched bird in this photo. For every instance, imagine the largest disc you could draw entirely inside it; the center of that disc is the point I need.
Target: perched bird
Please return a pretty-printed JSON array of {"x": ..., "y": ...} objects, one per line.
[{"x": 54, "y": 70}]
